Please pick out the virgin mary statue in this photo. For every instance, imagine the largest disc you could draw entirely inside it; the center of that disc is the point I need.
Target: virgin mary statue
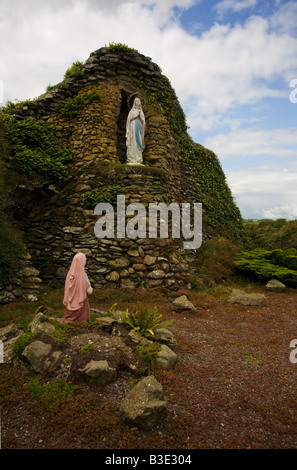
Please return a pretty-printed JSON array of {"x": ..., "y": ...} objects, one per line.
[{"x": 135, "y": 128}]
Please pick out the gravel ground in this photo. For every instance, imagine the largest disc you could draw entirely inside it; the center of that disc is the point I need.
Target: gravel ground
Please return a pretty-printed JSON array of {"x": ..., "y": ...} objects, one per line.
[{"x": 234, "y": 387}]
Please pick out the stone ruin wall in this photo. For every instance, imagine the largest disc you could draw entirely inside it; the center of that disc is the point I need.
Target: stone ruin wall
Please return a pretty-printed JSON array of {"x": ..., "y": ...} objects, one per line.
[{"x": 55, "y": 227}]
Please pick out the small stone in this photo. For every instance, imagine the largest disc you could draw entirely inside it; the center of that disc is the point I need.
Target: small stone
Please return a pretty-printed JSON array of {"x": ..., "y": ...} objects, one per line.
[
  {"x": 133, "y": 253},
  {"x": 166, "y": 358},
  {"x": 139, "y": 266},
  {"x": 182, "y": 303},
  {"x": 113, "y": 276},
  {"x": 40, "y": 325},
  {"x": 36, "y": 353},
  {"x": 119, "y": 263},
  {"x": 157, "y": 274},
  {"x": 149, "y": 260}
]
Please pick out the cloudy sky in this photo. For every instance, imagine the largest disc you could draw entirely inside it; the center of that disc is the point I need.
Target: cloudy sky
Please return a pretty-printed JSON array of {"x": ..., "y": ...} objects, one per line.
[{"x": 232, "y": 63}]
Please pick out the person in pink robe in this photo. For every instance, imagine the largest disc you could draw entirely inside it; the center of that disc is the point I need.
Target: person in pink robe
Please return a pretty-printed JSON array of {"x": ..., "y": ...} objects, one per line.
[{"x": 77, "y": 289}]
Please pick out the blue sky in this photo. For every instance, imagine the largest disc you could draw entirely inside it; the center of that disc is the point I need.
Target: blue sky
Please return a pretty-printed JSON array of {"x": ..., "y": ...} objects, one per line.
[{"x": 230, "y": 62}]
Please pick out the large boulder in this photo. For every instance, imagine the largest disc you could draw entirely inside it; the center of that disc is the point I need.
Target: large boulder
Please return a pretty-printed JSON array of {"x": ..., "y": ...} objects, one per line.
[
  {"x": 240, "y": 297},
  {"x": 144, "y": 405}
]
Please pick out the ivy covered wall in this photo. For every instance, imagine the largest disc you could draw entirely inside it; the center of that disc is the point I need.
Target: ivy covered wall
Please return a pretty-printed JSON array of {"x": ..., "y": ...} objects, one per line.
[{"x": 67, "y": 152}]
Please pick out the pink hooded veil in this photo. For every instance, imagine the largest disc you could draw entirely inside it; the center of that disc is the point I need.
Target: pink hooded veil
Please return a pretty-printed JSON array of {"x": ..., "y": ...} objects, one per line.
[{"x": 76, "y": 283}]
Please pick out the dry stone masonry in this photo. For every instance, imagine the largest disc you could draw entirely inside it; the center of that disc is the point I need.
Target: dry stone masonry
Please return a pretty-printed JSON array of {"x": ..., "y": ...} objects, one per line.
[{"x": 54, "y": 218}]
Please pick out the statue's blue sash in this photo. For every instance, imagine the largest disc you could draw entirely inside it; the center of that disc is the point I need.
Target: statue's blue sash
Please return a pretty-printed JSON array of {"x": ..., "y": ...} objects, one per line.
[{"x": 139, "y": 134}]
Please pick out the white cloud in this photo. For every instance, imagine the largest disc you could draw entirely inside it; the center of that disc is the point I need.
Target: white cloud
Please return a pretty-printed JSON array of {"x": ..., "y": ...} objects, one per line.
[
  {"x": 265, "y": 191},
  {"x": 286, "y": 211},
  {"x": 284, "y": 19},
  {"x": 242, "y": 143},
  {"x": 223, "y": 68},
  {"x": 234, "y": 6},
  {"x": 214, "y": 73}
]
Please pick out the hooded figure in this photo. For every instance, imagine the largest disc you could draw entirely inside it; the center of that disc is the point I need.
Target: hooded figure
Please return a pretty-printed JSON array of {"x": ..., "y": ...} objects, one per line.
[
  {"x": 77, "y": 288},
  {"x": 135, "y": 127}
]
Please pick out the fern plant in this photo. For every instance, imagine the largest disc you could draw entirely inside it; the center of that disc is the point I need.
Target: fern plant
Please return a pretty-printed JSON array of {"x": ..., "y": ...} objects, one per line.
[{"x": 144, "y": 321}]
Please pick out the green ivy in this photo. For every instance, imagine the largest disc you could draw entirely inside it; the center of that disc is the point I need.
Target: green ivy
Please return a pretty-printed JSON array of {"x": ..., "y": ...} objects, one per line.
[
  {"x": 37, "y": 150},
  {"x": 91, "y": 198},
  {"x": 72, "y": 105}
]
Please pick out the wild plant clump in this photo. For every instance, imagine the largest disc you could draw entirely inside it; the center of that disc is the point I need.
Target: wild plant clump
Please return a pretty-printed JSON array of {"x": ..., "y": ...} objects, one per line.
[
  {"x": 51, "y": 395},
  {"x": 144, "y": 321}
]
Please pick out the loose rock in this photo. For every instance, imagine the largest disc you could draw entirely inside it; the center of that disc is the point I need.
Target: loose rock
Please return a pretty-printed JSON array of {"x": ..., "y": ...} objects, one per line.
[
  {"x": 144, "y": 405},
  {"x": 99, "y": 372},
  {"x": 166, "y": 358},
  {"x": 275, "y": 286},
  {"x": 182, "y": 303},
  {"x": 240, "y": 297}
]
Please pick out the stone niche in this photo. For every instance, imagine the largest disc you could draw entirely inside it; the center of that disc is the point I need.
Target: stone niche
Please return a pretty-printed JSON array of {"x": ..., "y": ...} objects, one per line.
[{"x": 55, "y": 222}]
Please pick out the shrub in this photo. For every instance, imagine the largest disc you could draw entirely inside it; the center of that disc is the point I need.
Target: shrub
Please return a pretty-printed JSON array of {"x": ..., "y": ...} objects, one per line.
[
  {"x": 144, "y": 321},
  {"x": 264, "y": 265},
  {"x": 61, "y": 332},
  {"x": 214, "y": 261}
]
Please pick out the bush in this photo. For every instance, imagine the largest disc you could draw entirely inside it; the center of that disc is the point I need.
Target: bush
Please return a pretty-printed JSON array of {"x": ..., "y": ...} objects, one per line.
[
  {"x": 88, "y": 348},
  {"x": 214, "y": 262},
  {"x": 264, "y": 265},
  {"x": 144, "y": 321}
]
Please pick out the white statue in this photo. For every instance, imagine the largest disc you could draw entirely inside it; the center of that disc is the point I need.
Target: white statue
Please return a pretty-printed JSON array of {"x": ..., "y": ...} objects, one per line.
[{"x": 135, "y": 128}]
